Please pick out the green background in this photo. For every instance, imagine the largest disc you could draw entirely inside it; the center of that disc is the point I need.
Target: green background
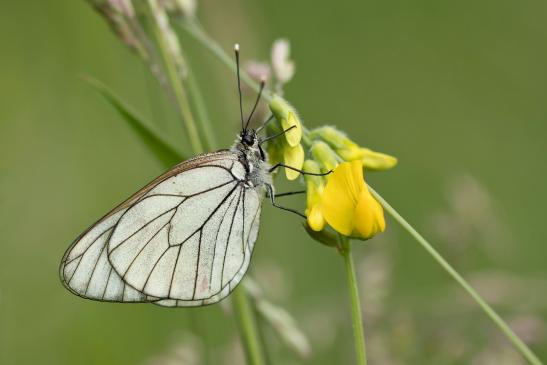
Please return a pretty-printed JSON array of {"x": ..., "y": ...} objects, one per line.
[{"x": 456, "y": 90}]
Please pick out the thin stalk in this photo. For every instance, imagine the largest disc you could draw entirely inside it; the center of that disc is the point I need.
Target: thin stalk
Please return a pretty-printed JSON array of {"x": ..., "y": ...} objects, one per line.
[
  {"x": 248, "y": 327},
  {"x": 201, "y": 110},
  {"x": 181, "y": 96},
  {"x": 357, "y": 321},
  {"x": 502, "y": 325},
  {"x": 149, "y": 55}
]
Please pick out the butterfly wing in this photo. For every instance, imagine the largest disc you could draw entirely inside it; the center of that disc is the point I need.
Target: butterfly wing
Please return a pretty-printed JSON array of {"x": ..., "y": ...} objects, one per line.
[
  {"x": 86, "y": 271},
  {"x": 185, "y": 239},
  {"x": 188, "y": 240}
]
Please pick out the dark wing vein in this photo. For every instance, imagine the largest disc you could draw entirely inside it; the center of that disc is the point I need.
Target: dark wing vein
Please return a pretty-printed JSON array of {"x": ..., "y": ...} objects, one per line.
[
  {"x": 66, "y": 262},
  {"x": 216, "y": 238},
  {"x": 95, "y": 266},
  {"x": 210, "y": 215},
  {"x": 144, "y": 226},
  {"x": 173, "y": 273},
  {"x": 107, "y": 281},
  {"x": 154, "y": 267},
  {"x": 197, "y": 264},
  {"x": 190, "y": 195},
  {"x": 82, "y": 256},
  {"x": 142, "y": 249},
  {"x": 228, "y": 241}
]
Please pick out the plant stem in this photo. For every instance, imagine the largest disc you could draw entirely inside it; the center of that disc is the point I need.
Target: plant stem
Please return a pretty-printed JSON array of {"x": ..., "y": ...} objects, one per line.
[
  {"x": 502, "y": 325},
  {"x": 357, "y": 321},
  {"x": 177, "y": 86},
  {"x": 201, "y": 109},
  {"x": 247, "y": 327}
]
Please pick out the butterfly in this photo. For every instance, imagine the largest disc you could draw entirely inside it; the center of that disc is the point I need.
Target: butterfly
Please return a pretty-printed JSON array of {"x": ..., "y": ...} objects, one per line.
[{"x": 186, "y": 238}]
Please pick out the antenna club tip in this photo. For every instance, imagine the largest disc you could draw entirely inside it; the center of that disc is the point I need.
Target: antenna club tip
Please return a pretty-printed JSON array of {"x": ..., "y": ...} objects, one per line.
[
  {"x": 236, "y": 47},
  {"x": 263, "y": 79}
]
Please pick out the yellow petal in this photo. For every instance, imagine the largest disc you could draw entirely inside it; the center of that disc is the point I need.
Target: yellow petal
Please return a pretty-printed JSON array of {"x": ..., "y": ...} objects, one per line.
[
  {"x": 312, "y": 181},
  {"x": 351, "y": 151},
  {"x": 377, "y": 161},
  {"x": 369, "y": 216},
  {"x": 316, "y": 221},
  {"x": 274, "y": 152},
  {"x": 341, "y": 196},
  {"x": 293, "y": 136},
  {"x": 294, "y": 157}
]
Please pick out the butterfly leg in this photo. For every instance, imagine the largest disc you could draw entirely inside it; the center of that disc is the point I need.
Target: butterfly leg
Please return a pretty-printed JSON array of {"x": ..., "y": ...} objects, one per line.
[
  {"x": 276, "y": 166},
  {"x": 277, "y": 195},
  {"x": 271, "y": 194}
]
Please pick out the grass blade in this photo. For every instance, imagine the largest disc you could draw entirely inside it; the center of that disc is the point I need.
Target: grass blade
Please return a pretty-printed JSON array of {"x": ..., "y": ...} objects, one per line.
[{"x": 156, "y": 143}]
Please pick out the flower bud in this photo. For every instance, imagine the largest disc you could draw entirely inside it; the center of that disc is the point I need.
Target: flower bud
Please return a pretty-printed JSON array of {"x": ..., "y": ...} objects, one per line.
[
  {"x": 287, "y": 117},
  {"x": 185, "y": 8},
  {"x": 282, "y": 65},
  {"x": 322, "y": 153},
  {"x": 377, "y": 161},
  {"x": 344, "y": 147}
]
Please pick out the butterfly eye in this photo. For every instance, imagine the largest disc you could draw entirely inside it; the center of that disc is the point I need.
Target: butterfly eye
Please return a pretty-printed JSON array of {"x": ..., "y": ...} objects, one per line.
[{"x": 247, "y": 139}]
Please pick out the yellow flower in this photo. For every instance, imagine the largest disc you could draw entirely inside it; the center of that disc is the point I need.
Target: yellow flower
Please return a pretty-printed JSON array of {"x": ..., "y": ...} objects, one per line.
[
  {"x": 294, "y": 135},
  {"x": 314, "y": 192},
  {"x": 294, "y": 157},
  {"x": 348, "y": 150},
  {"x": 377, "y": 161},
  {"x": 347, "y": 204},
  {"x": 287, "y": 117}
]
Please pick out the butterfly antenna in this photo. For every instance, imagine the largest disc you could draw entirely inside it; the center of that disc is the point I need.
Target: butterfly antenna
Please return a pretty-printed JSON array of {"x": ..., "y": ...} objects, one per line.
[
  {"x": 262, "y": 84},
  {"x": 270, "y": 118},
  {"x": 236, "y": 50}
]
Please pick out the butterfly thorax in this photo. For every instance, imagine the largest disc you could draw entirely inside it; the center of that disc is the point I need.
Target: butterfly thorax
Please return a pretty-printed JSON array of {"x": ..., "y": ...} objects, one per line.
[{"x": 254, "y": 158}]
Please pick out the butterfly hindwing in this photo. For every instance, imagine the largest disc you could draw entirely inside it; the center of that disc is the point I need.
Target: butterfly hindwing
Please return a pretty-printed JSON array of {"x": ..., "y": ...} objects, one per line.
[
  {"x": 86, "y": 271},
  {"x": 185, "y": 239}
]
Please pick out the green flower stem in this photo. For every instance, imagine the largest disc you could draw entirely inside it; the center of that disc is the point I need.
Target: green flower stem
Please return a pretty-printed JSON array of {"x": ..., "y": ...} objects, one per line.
[
  {"x": 248, "y": 328},
  {"x": 502, "y": 325},
  {"x": 357, "y": 321},
  {"x": 178, "y": 89},
  {"x": 201, "y": 110}
]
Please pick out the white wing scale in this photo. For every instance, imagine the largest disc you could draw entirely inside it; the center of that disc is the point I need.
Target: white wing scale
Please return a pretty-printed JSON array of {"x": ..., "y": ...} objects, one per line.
[{"x": 184, "y": 240}]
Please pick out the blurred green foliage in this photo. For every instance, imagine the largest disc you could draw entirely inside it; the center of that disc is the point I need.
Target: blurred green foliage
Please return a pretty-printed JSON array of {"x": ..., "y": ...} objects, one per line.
[{"x": 455, "y": 90}]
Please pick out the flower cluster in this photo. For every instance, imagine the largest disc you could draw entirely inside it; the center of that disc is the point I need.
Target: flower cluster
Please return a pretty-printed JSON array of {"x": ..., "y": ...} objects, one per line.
[{"x": 340, "y": 199}]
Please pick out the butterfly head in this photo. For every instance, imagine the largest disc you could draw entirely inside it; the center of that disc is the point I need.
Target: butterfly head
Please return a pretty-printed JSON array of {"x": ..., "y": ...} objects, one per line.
[{"x": 248, "y": 137}]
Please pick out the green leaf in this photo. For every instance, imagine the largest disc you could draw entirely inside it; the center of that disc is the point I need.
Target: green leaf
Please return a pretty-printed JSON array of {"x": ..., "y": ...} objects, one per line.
[{"x": 152, "y": 139}]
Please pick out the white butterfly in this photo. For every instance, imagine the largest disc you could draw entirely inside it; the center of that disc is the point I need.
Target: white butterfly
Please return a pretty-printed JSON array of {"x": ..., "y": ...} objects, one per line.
[{"x": 185, "y": 239}]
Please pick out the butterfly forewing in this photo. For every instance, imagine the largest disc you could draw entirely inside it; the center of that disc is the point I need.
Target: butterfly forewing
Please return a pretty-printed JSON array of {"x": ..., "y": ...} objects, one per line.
[{"x": 184, "y": 240}]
